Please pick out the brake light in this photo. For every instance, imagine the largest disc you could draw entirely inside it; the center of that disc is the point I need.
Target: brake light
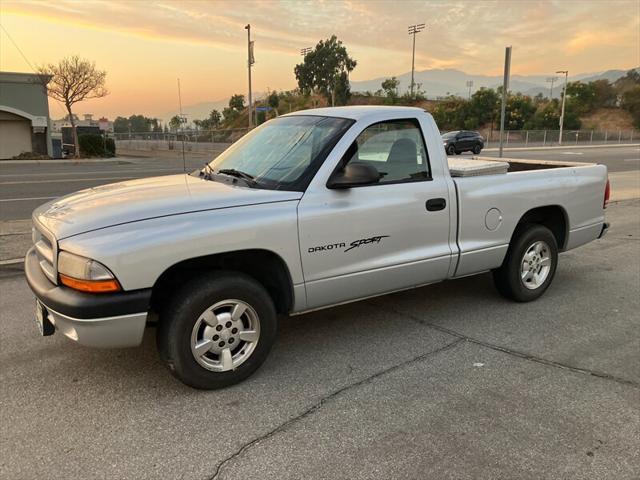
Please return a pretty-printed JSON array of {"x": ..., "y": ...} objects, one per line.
[{"x": 607, "y": 194}]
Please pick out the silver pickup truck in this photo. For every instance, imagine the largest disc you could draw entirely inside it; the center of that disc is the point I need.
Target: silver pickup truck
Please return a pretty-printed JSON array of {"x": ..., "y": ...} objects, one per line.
[{"x": 309, "y": 210}]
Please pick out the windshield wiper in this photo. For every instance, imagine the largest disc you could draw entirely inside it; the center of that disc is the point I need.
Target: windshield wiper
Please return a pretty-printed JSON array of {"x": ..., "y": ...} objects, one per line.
[
  {"x": 232, "y": 172},
  {"x": 207, "y": 171}
]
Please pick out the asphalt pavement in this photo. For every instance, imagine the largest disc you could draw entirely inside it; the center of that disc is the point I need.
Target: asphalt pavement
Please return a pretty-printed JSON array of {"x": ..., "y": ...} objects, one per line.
[
  {"x": 24, "y": 186},
  {"x": 448, "y": 381}
]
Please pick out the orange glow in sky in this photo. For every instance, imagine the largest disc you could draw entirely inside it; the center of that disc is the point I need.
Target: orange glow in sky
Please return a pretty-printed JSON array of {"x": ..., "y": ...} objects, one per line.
[{"x": 146, "y": 45}]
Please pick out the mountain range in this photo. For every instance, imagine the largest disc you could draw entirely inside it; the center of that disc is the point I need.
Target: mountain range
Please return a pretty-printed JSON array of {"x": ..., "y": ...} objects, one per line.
[
  {"x": 442, "y": 82},
  {"x": 436, "y": 83}
]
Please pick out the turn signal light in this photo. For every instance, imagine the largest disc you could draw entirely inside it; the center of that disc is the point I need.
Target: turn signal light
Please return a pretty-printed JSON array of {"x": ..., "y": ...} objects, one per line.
[{"x": 90, "y": 286}]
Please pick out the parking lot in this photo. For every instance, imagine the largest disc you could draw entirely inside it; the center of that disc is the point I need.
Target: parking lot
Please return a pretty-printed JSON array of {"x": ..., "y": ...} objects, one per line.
[{"x": 446, "y": 381}]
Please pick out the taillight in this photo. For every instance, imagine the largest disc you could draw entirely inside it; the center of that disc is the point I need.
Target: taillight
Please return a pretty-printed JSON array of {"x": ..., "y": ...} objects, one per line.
[{"x": 607, "y": 194}]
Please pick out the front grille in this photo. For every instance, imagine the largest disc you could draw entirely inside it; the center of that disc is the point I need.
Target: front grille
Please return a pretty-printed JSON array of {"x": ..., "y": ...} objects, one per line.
[{"x": 46, "y": 249}]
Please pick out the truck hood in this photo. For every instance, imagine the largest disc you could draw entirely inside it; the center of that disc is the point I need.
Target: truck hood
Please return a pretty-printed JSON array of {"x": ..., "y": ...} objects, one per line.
[{"x": 146, "y": 198}]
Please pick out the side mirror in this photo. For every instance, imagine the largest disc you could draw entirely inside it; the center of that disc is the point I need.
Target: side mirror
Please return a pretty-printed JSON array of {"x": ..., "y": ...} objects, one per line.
[{"x": 354, "y": 175}]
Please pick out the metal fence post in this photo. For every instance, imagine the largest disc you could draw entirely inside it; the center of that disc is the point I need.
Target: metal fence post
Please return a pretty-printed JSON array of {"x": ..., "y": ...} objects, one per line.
[
  {"x": 631, "y": 136},
  {"x": 577, "y": 135},
  {"x": 619, "y": 136},
  {"x": 507, "y": 137},
  {"x": 544, "y": 139},
  {"x": 606, "y": 134},
  {"x": 526, "y": 140},
  {"x": 591, "y": 141}
]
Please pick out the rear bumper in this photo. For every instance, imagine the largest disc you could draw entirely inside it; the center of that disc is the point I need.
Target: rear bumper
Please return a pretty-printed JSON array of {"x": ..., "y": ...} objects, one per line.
[{"x": 110, "y": 320}]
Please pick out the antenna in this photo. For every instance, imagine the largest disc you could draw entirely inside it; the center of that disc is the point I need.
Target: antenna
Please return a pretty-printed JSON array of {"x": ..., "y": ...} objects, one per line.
[{"x": 182, "y": 122}]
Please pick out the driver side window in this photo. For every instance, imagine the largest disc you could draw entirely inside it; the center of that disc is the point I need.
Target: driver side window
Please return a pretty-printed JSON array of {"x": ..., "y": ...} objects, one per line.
[{"x": 395, "y": 149}]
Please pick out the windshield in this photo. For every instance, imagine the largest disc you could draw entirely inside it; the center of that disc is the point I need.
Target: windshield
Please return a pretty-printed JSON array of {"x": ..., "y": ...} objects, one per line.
[
  {"x": 449, "y": 135},
  {"x": 283, "y": 153}
]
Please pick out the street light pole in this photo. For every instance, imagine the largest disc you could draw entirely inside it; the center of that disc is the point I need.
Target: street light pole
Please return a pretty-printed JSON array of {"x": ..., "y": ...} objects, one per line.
[
  {"x": 505, "y": 88},
  {"x": 249, "y": 63},
  {"x": 564, "y": 99},
  {"x": 413, "y": 29},
  {"x": 552, "y": 81},
  {"x": 469, "y": 84}
]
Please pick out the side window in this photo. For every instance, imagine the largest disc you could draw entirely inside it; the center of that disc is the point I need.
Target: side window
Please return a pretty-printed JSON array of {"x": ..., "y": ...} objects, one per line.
[{"x": 395, "y": 148}]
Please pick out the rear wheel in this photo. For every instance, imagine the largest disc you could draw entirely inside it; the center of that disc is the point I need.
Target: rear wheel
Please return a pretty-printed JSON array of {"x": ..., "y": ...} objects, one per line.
[
  {"x": 451, "y": 150},
  {"x": 217, "y": 330},
  {"x": 477, "y": 149},
  {"x": 530, "y": 264}
]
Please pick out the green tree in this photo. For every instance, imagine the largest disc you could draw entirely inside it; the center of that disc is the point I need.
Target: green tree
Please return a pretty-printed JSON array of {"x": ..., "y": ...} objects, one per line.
[
  {"x": 485, "y": 106},
  {"x": 631, "y": 102},
  {"x": 236, "y": 105},
  {"x": 214, "y": 118},
  {"x": 174, "y": 123},
  {"x": 519, "y": 110},
  {"x": 326, "y": 70},
  {"x": 274, "y": 101},
  {"x": 390, "y": 87},
  {"x": 121, "y": 125}
]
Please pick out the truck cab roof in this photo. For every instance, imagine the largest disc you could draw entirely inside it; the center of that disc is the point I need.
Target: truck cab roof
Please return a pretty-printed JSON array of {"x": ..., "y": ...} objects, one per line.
[{"x": 360, "y": 112}]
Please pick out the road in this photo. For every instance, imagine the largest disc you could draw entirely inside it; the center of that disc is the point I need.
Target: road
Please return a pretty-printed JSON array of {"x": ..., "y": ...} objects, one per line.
[
  {"x": 25, "y": 186},
  {"x": 448, "y": 381}
]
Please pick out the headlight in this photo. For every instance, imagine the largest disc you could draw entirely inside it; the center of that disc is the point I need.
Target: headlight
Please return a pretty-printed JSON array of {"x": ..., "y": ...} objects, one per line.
[{"x": 84, "y": 274}]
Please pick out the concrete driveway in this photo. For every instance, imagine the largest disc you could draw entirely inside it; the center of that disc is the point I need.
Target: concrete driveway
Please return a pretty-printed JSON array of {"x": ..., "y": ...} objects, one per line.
[{"x": 446, "y": 381}]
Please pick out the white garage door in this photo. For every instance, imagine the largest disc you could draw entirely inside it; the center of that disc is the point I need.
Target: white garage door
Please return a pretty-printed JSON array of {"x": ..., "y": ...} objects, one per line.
[{"x": 15, "y": 137}]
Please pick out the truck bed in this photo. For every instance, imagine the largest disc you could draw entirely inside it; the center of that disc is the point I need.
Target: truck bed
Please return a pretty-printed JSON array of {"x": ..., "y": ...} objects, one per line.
[{"x": 475, "y": 166}]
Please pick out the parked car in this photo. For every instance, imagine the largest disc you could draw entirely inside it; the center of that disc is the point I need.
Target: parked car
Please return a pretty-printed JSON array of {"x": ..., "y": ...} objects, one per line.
[
  {"x": 462, "y": 141},
  {"x": 311, "y": 209}
]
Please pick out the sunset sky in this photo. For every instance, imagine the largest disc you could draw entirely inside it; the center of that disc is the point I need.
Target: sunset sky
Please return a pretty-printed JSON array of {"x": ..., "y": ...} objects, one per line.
[{"x": 145, "y": 45}]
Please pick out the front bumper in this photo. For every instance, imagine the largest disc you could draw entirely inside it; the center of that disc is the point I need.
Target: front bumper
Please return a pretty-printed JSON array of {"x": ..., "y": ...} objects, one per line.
[{"x": 111, "y": 320}]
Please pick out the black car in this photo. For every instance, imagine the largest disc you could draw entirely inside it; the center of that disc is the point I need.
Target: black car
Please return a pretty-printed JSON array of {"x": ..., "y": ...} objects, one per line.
[{"x": 462, "y": 141}]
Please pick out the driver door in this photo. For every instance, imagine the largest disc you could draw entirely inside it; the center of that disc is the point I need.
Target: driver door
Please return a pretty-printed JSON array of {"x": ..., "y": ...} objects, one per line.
[{"x": 373, "y": 239}]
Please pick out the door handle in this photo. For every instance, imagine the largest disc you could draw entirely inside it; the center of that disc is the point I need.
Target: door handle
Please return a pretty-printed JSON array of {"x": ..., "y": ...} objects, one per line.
[{"x": 436, "y": 204}]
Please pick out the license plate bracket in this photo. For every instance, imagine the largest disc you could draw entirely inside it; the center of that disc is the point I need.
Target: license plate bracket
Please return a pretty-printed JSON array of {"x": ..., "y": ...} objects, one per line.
[{"x": 45, "y": 326}]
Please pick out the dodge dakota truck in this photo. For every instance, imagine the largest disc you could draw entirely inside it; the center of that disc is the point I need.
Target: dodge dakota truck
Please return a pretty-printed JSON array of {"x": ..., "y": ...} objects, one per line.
[{"x": 311, "y": 209}]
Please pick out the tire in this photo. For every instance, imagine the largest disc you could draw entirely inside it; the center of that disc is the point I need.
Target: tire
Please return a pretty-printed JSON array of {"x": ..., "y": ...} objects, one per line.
[
  {"x": 451, "y": 150},
  {"x": 200, "y": 314},
  {"x": 518, "y": 281},
  {"x": 477, "y": 149}
]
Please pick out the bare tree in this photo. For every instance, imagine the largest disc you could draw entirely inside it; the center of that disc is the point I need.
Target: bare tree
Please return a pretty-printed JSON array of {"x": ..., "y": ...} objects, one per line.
[{"x": 74, "y": 79}]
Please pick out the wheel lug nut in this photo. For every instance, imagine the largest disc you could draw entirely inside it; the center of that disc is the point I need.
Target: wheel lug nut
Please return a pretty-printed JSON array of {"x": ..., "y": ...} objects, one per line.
[
  {"x": 218, "y": 327},
  {"x": 234, "y": 331},
  {"x": 221, "y": 344},
  {"x": 231, "y": 340},
  {"x": 228, "y": 324},
  {"x": 216, "y": 337}
]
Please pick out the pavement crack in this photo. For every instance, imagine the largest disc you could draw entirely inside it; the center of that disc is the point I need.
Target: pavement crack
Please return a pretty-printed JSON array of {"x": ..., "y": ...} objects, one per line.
[
  {"x": 516, "y": 353},
  {"x": 316, "y": 406}
]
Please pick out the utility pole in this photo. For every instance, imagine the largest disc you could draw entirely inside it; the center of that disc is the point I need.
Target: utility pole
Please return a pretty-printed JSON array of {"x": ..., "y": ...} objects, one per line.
[
  {"x": 505, "y": 88},
  {"x": 250, "y": 61},
  {"x": 564, "y": 99},
  {"x": 469, "y": 84},
  {"x": 552, "y": 81},
  {"x": 413, "y": 29}
]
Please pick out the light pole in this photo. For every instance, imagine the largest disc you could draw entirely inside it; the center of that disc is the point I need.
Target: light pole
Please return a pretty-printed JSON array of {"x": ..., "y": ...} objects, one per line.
[
  {"x": 551, "y": 80},
  {"x": 250, "y": 61},
  {"x": 564, "y": 99},
  {"x": 505, "y": 89},
  {"x": 413, "y": 29},
  {"x": 469, "y": 84},
  {"x": 305, "y": 50}
]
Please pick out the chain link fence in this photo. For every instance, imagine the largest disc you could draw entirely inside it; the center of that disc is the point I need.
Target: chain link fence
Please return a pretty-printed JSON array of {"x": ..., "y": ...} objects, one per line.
[
  {"x": 548, "y": 138},
  {"x": 194, "y": 140}
]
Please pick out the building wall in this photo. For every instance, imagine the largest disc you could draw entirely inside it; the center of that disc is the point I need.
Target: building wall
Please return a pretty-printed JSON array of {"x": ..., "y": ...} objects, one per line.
[{"x": 25, "y": 95}]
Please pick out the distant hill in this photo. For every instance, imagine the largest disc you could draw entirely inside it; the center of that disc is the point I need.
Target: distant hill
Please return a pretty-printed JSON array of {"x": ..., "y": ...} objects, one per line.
[
  {"x": 197, "y": 111},
  {"x": 443, "y": 82}
]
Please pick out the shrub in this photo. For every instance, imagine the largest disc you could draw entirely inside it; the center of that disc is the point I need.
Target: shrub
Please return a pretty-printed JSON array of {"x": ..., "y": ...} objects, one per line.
[
  {"x": 91, "y": 145},
  {"x": 110, "y": 147}
]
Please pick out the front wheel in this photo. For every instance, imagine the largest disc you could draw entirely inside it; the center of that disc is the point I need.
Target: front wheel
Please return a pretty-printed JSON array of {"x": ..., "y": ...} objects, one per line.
[
  {"x": 530, "y": 264},
  {"x": 451, "y": 150},
  {"x": 217, "y": 330},
  {"x": 477, "y": 149}
]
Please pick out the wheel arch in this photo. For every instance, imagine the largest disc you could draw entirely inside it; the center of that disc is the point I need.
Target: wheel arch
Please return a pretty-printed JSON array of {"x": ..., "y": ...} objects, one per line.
[
  {"x": 554, "y": 217},
  {"x": 265, "y": 266}
]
